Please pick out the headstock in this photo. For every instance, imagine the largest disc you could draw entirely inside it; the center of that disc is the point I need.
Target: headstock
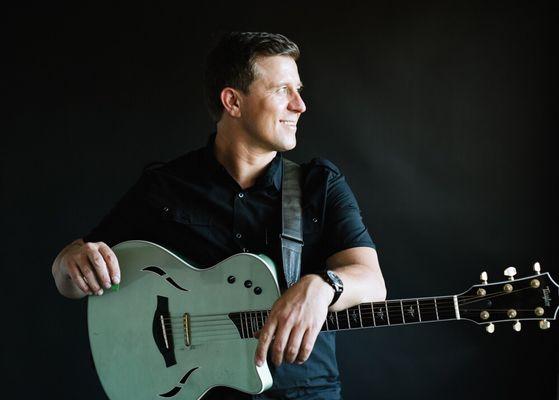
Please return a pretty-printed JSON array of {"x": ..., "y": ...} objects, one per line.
[{"x": 534, "y": 297}]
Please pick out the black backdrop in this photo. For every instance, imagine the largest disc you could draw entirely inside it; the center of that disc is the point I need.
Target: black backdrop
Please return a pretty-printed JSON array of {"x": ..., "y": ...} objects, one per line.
[{"x": 439, "y": 114}]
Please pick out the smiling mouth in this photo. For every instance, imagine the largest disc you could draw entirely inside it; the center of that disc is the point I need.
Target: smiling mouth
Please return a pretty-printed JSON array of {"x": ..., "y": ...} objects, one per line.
[{"x": 288, "y": 123}]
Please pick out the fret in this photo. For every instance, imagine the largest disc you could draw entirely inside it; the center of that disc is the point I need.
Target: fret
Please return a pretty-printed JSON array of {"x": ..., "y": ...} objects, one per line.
[
  {"x": 445, "y": 307},
  {"x": 394, "y": 312},
  {"x": 354, "y": 316},
  {"x": 243, "y": 324},
  {"x": 251, "y": 319},
  {"x": 387, "y": 313},
  {"x": 360, "y": 316},
  {"x": 418, "y": 309},
  {"x": 367, "y": 316},
  {"x": 337, "y": 322},
  {"x": 330, "y": 321},
  {"x": 343, "y": 319},
  {"x": 427, "y": 310},
  {"x": 379, "y": 314},
  {"x": 411, "y": 313},
  {"x": 436, "y": 308},
  {"x": 402, "y": 309}
]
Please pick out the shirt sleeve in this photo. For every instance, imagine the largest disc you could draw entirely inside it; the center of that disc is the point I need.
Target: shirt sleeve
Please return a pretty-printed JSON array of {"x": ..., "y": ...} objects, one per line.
[{"x": 344, "y": 227}]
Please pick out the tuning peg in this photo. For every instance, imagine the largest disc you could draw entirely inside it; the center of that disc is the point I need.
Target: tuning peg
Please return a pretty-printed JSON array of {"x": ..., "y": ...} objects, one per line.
[
  {"x": 537, "y": 268},
  {"x": 490, "y": 328},
  {"x": 517, "y": 326},
  {"x": 510, "y": 272},
  {"x": 483, "y": 277},
  {"x": 544, "y": 324}
]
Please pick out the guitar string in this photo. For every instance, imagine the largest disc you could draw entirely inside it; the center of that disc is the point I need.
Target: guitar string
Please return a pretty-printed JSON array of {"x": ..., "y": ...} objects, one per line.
[
  {"x": 201, "y": 333},
  {"x": 391, "y": 305},
  {"x": 254, "y": 325}
]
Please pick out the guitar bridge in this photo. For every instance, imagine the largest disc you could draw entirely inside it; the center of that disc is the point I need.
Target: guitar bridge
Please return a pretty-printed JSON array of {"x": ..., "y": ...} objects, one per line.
[{"x": 186, "y": 327}]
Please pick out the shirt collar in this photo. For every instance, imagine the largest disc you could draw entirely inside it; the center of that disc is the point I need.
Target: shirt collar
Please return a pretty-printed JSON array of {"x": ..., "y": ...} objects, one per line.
[{"x": 271, "y": 177}]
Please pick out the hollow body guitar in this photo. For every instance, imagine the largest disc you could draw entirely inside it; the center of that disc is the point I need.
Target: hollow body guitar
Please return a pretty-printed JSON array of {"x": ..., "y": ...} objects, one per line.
[{"x": 174, "y": 331}]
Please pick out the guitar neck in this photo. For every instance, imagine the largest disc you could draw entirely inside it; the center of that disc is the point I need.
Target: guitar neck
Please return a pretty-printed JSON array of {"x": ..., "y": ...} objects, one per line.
[{"x": 367, "y": 315}]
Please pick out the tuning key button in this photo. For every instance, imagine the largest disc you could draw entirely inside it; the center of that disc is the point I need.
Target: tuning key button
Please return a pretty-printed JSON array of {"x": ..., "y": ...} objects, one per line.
[
  {"x": 537, "y": 267},
  {"x": 539, "y": 311},
  {"x": 517, "y": 326},
  {"x": 544, "y": 324},
  {"x": 490, "y": 328},
  {"x": 483, "y": 277},
  {"x": 510, "y": 272}
]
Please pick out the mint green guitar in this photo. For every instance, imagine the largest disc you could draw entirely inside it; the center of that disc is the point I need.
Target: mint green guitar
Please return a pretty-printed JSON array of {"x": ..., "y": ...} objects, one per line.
[{"x": 174, "y": 331}]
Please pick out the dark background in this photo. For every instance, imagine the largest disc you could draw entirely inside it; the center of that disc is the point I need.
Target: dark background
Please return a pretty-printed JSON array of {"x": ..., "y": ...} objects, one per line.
[{"x": 439, "y": 114}]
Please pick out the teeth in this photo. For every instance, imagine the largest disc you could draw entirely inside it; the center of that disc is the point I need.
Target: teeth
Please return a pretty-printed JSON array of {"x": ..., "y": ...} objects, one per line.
[{"x": 287, "y": 122}]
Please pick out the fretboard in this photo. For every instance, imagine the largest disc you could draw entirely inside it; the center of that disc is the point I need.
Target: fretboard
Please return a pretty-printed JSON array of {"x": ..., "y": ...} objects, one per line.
[{"x": 365, "y": 315}]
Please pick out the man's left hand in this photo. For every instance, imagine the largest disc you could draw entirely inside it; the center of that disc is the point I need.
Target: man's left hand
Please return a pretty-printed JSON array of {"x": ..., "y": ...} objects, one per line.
[{"x": 295, "y": 321}]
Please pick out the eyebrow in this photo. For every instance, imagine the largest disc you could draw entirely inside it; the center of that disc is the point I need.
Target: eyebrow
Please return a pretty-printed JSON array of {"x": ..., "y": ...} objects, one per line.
[{"x": 282, "y": 83}]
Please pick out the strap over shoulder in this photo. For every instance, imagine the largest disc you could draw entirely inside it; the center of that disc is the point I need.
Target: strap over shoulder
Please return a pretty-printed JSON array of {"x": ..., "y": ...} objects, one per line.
[{"x": 292, "y": 221}]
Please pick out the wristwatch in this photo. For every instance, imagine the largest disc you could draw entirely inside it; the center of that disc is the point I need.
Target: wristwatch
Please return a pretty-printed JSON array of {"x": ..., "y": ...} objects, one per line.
[{"x": 333, "y": 280}]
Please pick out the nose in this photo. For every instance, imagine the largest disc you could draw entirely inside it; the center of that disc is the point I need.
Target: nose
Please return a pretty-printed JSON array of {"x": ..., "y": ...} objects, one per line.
[{"x": 296, "y": 103}]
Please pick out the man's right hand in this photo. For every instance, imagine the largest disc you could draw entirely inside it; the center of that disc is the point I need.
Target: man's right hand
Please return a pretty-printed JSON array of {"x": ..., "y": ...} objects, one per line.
[{"x": 85, "y": 268}]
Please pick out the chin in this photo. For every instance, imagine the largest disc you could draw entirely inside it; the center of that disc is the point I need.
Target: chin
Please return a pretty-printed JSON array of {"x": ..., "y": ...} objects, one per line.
[{"x": 287, "y": 145}]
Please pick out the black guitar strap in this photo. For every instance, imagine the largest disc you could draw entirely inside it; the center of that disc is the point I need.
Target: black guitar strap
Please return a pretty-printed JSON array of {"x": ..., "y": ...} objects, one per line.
[{"x": 292, "y": 221}]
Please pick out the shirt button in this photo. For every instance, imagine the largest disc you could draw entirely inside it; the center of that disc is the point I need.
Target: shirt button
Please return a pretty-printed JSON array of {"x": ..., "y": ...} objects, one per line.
[
  {"x": 238, "y": 236},
  {"x": 241, "y": 195},
  {"x": 315, "y": 220},
  {"x": 245, "y": 250}
]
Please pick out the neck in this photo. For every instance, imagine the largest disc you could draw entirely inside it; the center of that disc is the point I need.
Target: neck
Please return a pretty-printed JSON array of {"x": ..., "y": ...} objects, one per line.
[
  {"x": 366, "y": 315},
  {"x": 244, "y": 162}
]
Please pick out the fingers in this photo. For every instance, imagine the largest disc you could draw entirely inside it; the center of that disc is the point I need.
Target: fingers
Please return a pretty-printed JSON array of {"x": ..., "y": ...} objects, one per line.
[
  {"x": 293, "y": 345},
  {"x": 280, "y": 341},
  {"x": 86, "y": 271},
  {"x": 98, "y": 263},
  {"x": 76, "y": 275},
  {"x": 307, "y": 345},
  {"x": 111, "y": 262},
  {"x": 264, "y": 339}
]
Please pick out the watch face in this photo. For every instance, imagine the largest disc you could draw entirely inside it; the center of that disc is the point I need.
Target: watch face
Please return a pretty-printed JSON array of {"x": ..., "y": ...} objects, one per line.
[{"x": 337, "y": 281}]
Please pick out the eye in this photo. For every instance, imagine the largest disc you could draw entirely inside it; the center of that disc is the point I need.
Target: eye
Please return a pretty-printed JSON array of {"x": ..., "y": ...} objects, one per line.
[{"x": 283, "y": 89}]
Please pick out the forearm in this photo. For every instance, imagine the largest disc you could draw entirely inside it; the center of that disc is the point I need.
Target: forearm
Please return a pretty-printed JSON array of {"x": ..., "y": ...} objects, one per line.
[
  {"x": 64, "y": 283},
  {"x": 362, "y": 284},
  {"x": 360, "y": 272}
]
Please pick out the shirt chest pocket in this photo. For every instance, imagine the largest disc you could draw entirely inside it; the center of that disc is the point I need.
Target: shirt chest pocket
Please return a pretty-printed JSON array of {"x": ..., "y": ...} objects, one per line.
[{"x": 181, "y": 219}]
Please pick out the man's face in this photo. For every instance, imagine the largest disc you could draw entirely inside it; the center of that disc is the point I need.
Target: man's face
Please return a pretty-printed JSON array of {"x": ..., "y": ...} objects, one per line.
[{"x": 273, "y": 105}]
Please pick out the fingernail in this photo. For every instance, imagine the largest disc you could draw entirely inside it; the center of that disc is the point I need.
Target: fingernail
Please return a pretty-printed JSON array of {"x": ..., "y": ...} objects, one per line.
[
  {"x": 116, "y": 280},
  {"x": 259, "y": 362},
  {"x": 107, "y": 285},
  {"x": 100, "y": 292}
]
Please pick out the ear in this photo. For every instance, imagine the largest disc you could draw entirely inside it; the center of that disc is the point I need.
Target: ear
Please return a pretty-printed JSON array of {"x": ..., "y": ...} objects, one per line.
[{"x": 231, "y": 101}]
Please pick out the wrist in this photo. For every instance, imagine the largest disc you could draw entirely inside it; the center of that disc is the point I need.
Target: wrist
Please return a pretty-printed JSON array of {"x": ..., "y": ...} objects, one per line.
[{"x": 334, "y": 282}]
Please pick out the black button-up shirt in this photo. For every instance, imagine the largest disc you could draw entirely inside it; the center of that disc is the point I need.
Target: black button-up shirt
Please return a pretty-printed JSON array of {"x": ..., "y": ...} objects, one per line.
[{"x": 193, "y": 207}]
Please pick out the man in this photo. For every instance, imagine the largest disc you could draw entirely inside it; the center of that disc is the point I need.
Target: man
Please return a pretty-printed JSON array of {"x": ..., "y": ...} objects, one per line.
[{"x": 226, "y": 198}]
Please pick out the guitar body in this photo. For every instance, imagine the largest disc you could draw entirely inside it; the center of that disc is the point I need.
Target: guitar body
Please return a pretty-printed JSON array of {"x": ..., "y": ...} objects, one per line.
[{"x": 138, "y": 336}]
